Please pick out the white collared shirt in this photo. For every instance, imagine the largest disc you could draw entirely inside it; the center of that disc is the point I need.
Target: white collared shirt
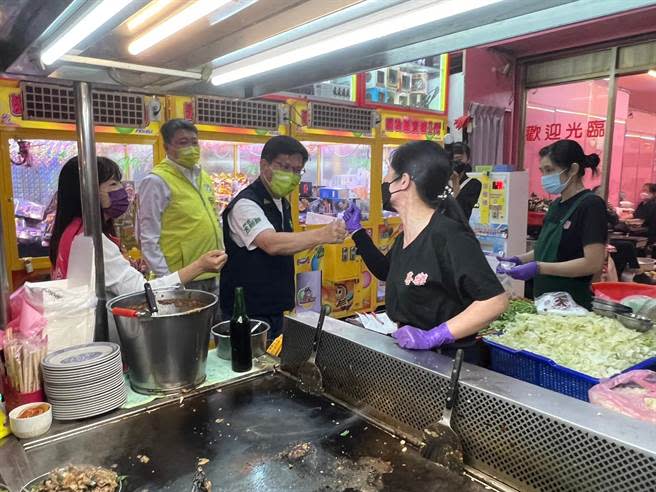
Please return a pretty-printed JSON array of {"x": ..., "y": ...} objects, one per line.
[
  {"x": 154, "y": 197},
  {"x": 121, "y": 278},
  {"x": 247, "y": 220}
]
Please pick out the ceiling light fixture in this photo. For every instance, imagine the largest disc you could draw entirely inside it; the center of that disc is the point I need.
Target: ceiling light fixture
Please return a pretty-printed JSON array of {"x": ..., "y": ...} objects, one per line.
[
  {"x": 389, "y": 21},
  {"x": 81, "y": 29},
  {"x": 175, "y": 23},
  {"x": 146, "y": 14},
  {"x": 652, "y": 73}
]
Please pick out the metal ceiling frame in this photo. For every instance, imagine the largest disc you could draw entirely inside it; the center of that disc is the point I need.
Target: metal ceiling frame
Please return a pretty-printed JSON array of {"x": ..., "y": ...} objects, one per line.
[{"x": 484, "y": 25}]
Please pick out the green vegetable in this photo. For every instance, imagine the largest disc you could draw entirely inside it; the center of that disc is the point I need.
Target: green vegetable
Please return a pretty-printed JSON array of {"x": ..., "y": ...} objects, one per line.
[
  {"x": 596, "y": 346},
  {"x": 515, "y": 307}
]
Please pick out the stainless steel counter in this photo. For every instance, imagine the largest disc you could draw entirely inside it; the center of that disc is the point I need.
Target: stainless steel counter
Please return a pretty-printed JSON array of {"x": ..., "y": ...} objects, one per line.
[
  {"x": 515, "y": 435},
  {"x": 259, "y": 433},
  {"x": 18, "y": 467},
  {"x": 523, "y": 435}
]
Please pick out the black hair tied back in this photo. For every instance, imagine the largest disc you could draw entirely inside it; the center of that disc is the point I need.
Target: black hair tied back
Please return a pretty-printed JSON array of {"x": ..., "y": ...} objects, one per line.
[
  {"x": 565, "y": 153},
  {"x": 592, "y": 161}
]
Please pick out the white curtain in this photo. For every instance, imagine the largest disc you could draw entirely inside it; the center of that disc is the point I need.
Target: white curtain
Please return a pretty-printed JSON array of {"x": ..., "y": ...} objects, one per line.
[{"x": 486, "y": 140}]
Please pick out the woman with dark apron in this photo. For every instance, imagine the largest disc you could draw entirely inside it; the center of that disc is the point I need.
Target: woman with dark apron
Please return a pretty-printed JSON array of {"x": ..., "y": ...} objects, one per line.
[
  {"x": 571, "y": 247},
  {"x": 439, "y": 288}
]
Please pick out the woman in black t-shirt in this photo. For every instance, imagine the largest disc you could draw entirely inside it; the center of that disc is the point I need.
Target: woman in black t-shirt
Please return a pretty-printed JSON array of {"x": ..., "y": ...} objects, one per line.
[
  {"x": 466, "y": 190},
  {"x": 647, "y": 210},
  {"x": 439, "y": 286},
  {"x": 571, "y": 247}
]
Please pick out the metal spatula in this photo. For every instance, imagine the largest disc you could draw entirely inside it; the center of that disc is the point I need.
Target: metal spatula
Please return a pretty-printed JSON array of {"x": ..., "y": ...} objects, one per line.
[
  {"x": 151, "y": 302},
  {"x": 308, "y": 372},
  {"x": 442, "y": 444}
]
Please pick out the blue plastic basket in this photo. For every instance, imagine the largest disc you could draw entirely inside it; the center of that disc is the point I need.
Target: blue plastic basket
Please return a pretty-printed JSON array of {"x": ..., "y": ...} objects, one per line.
[{"x": 544, "y": 372}]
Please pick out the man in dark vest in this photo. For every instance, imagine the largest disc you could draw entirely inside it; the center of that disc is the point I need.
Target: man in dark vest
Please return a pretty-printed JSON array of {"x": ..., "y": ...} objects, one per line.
[{"x": 259, "y": 238}]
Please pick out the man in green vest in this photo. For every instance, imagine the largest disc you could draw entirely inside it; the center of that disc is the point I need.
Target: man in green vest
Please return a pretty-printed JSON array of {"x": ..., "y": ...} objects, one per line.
[{"x": 178, "y": 222}]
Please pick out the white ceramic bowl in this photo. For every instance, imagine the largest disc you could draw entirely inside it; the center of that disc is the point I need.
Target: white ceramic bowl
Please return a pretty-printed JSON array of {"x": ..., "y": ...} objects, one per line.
[{"x": 29, "y": 427}]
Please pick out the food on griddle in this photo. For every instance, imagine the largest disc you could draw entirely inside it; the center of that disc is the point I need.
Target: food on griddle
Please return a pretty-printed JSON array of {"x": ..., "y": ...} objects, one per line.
[
  {"x": 298, "y": 452},
  {"x": 79, "y": 479},
  {"x": 34, "y": 411}
]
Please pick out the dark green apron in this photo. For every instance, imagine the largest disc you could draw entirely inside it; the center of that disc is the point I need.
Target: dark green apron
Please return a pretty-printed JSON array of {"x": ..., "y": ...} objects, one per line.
[{"x": 546, "y": 250}]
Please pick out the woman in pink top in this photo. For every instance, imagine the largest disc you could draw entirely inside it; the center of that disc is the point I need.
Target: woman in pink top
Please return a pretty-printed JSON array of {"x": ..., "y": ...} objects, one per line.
[{"x": 120, "y": 277}]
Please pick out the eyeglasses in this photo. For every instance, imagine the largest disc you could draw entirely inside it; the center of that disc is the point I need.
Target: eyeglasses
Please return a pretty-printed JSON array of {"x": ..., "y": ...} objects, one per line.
[{"x": 289, "y": 168}]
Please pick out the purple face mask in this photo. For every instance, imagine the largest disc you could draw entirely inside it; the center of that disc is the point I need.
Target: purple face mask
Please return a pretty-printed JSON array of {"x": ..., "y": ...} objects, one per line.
[{"x": 119, "y": 203}]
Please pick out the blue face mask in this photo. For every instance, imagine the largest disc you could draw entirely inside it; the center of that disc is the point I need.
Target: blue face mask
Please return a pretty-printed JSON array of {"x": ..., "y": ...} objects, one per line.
[{"x": 551, "y": 183}]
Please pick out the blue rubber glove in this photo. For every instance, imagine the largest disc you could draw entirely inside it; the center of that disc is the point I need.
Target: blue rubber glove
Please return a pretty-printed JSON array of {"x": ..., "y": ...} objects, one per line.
[
  {"x": 510, "y": 259},
  {"x": 521, "y": 272},
  {"x": 410, "y": 337},
  {"x": 353, "y": 218}
]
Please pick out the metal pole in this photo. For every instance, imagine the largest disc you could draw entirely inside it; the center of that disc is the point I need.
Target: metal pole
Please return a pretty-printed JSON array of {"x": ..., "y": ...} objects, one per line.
[
  {"x": 86, "y": 146},
  {"x": 607, "y": 157},
  {"x": 4, "y": 282}
]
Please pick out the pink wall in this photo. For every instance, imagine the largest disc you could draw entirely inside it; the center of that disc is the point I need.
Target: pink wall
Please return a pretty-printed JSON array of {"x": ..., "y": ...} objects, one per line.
[
  {"x": 564, "y": 111},
  {"x": 485, "y": 84},
  {"x": 639, "y": 159}
]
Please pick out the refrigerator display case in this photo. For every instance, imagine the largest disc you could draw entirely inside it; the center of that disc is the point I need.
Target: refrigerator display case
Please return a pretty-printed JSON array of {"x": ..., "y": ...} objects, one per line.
[
  {"x": 231, "y": 165},
  {"x": 335, "y": 175},
  {"x": 341, "y": 168},
  {"x": 35, "y": 167}
]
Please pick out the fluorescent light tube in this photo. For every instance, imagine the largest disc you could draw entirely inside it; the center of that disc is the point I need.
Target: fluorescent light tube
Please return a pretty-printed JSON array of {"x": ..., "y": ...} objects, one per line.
[
  {"x": 147, "y": 13},
  {"x": 175, "y": 23},
  {"x": 86, "y": 25},
  {"x": 368, "y": 28}
]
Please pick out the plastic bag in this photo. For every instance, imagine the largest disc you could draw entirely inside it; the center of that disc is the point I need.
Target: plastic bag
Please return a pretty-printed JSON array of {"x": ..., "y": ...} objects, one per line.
[
  {"x": 559, "y": 303},
  {"x": 68, "y": 310},
  {"x": 68, "y": 306},
  {"x": 632, "y": 393},
  {"x": 505, "y": 280},
  {"x": 25, "y": 319},
  {"x": 23, "y": 355}
]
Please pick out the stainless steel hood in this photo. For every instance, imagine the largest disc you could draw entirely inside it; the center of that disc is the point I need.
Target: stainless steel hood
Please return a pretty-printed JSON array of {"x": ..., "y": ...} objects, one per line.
[{"x": 182, "y": 64}]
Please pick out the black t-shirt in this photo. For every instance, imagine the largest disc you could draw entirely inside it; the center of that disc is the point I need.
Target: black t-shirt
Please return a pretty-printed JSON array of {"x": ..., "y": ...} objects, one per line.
[
  {"x": 647, "y": 212},
  {"x": 438, "y": 275},
  {"x": 468, "y": 196},
  {"x": 587, "y": 225}
]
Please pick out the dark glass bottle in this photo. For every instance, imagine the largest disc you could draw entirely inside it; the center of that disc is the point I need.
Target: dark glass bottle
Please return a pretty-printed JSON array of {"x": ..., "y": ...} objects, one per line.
[{"x": 240, "y": 334}]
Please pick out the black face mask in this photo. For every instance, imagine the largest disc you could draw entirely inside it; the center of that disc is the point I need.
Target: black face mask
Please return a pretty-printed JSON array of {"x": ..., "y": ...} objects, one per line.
[
  {"x": 461, "y": 167},
  {"x": 387, "y": 195}
]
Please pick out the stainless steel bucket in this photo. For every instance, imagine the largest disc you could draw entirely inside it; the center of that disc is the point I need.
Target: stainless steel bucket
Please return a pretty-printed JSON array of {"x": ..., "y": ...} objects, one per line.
[
  {"x": 167, "y": 352},
  {"x": 221, "y": 334}
]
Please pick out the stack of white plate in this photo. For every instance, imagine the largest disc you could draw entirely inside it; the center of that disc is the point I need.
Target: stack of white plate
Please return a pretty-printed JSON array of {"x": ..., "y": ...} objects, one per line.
[{"x": 84, "y": 381}]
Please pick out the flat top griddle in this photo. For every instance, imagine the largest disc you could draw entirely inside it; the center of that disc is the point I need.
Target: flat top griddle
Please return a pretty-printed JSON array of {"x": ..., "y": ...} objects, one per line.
[{"x": 263, "y": 434}]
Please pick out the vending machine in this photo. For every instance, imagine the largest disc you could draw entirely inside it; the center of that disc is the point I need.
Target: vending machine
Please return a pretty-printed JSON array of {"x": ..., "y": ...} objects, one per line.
[{"x": 500, "y": 216}]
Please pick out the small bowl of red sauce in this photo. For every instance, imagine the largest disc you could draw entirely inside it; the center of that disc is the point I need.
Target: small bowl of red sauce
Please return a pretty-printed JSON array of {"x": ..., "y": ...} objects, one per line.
[{"x": 30, "y": 420}]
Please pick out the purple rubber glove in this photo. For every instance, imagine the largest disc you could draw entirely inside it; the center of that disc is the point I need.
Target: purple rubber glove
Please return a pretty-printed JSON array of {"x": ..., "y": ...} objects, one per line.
[
  {"x": 510, "y": 259},
  {"x": 353, "y": 217},
  {"x": 521, "y": 272},
  {"x": 410, "y": 337}
]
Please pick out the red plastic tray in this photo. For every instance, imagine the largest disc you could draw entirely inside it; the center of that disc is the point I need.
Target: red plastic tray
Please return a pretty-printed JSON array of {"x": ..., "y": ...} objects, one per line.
[{"x": 617, "y": 291}]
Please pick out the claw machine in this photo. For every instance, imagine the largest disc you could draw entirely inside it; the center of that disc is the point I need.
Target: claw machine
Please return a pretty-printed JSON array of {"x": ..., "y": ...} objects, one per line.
[
  {"x": 37, "y": 137},
  {"x": 341, "y": 143},
  {"x": 396, "y": 129},
  {"x": 232, "y": 133}
]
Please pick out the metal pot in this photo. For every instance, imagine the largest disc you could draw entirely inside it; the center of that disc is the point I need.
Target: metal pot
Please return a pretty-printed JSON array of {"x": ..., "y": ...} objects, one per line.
[
  {"x": 221, "y": 333},
  {"x": 167, "y": 351}
]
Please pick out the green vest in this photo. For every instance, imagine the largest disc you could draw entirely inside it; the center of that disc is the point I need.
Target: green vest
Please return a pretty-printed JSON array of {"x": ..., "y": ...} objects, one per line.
[{"x": 190, "y": 225}]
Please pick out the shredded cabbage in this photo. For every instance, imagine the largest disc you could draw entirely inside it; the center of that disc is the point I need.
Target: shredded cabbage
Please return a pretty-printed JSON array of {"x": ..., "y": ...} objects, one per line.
[{"x": 597, "y": 346}]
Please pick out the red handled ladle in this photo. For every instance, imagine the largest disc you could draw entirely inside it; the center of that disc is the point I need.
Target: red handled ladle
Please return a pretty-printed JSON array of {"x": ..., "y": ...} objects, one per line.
[{"x": 151, "y": 303}]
